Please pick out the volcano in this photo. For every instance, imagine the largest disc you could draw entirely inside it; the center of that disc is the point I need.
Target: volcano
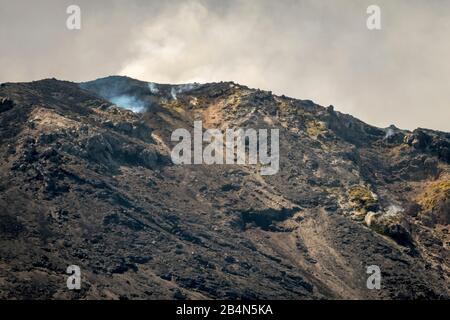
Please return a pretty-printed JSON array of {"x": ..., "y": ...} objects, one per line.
[{"x": 87, "y": 179}]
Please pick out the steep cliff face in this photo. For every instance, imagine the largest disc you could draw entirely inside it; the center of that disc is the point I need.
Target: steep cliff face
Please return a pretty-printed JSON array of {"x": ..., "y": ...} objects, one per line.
[{"x": 86, "y": 182}]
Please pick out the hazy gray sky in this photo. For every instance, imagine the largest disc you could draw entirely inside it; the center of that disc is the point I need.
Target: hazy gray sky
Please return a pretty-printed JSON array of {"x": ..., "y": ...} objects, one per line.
[{"x": 309, "y": 49}]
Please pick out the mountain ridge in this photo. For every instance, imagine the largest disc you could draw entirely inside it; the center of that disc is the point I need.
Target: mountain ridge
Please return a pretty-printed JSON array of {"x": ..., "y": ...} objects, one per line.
[{"x": 80, "y": 174}]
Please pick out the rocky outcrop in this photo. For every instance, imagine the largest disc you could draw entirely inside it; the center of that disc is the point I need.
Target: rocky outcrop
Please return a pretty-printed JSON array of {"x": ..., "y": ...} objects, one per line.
[
  {"x": 427, "y": 141},
  {"x": 6, "y": 104},
  {"x": 86, "y": 182},
  {"x": 391, "y": 224}
]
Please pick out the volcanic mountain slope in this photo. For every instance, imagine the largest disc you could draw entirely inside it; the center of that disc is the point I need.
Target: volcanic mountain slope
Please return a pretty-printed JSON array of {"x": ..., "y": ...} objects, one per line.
[{"x": 85, "y": 182}]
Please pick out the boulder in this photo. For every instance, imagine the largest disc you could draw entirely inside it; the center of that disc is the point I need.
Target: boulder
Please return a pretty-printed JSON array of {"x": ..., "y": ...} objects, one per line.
[
  {"x": 390, "y": 224},
  {"x": 99, "y": 149}
]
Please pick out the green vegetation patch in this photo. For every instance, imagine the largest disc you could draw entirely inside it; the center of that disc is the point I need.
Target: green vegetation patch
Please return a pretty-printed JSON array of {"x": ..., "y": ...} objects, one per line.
[{"x": 363, "y": 199}]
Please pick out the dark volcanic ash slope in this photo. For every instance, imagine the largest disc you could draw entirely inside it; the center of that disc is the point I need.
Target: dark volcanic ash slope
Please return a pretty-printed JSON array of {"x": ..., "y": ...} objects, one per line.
[{"x": 87, "y": 183}]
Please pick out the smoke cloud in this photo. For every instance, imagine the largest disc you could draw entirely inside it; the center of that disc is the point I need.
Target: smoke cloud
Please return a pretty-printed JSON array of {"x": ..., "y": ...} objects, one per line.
[
  {"x": 309, "y": 49},
  {"x": 176, "y": 90},
  {"x": 128, "y": 102}
]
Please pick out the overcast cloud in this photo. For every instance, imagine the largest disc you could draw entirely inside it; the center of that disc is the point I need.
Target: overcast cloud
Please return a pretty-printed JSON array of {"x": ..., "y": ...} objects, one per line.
[{"x": 309, "y": 49}]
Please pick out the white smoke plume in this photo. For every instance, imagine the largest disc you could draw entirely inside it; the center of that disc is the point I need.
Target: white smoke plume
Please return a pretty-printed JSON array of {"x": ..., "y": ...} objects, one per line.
[
  {"x": 389, "y": 133},
  {"x": 178, "y": 89},
  {"x": 129, "y": 102},
  {"x": 394, "y": 209},
  {"x": 153, "y": 87}
]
